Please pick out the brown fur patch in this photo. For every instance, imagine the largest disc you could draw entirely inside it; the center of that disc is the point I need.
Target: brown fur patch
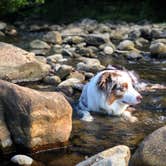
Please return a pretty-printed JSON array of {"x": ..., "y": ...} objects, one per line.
[
  {"x": 125, "y": 85},
  {"x": 105, "y": 78},
  {"x": 112, "y": 97}
]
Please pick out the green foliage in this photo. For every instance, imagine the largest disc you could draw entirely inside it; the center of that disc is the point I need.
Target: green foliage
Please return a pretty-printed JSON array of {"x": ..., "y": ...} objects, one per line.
[{"x": 10, "y": 6}]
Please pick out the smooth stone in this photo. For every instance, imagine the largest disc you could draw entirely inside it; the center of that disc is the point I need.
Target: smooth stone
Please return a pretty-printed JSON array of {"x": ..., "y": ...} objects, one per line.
[
  {"x": 54, "y": 58},
  {"x": 52, "y": 80},
  {"x": 35, "y": 119},
  {"x": 89, "y": 65},
  {"x": 3, "y": 25},
  {"x": 22, "y": 160},
  {"x": 126, "y": 45},
  {"x": 152, "y": 150},
  {"x": 53, "y": 37},
  {"x": 18, "y": 65},
  {"x": 116, "y": 156},
  {"x": 158, "y": 48},
  {"x": 39, "y": 44},
  {"x": 108, "y": 50}
]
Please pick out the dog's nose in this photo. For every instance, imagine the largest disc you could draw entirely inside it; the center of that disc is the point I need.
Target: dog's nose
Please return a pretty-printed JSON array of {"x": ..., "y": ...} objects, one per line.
[{"x": 139, "y": 98}]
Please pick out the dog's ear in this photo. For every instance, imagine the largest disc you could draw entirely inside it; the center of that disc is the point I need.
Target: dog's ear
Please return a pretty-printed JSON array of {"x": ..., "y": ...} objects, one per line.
[{"x": 104, "y": 81}]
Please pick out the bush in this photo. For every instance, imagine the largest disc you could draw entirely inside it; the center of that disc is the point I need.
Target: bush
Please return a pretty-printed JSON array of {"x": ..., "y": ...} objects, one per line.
[{"x": 11, "y": 6}]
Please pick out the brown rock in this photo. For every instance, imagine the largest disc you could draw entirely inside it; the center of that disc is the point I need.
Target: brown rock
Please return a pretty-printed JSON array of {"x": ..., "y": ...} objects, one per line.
[
  {"x": 18, "y": 65},
  {"x": 152, "y": 151},
  {"x": 35, "y": 119}
]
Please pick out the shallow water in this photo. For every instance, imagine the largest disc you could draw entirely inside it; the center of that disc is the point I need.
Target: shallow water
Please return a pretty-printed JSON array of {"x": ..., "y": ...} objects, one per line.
[{"x": 105, "y": 132}]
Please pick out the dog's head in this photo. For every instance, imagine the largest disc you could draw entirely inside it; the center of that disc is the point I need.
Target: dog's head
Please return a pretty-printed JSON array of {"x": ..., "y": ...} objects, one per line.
[{"x": 118, "y": 85}]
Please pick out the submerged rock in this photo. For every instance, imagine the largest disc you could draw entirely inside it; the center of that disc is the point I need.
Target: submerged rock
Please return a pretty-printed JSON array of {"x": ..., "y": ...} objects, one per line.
[
  {"x": 53, "y": 37},
  {"x": 34, "y": 119},
  {"x": 3, "y": 25},
  {"x": 39, "y": 44},
  {"x": 158, "y": 49},
  {"x": 151, "y": 152},
  {"x": 126, "y": 45},
  {"x": 22, "y": 160},
  {"x": 89, "y": 65},
  {"x": 116, "y": 156},
  {"x": 18, "y": 65}
]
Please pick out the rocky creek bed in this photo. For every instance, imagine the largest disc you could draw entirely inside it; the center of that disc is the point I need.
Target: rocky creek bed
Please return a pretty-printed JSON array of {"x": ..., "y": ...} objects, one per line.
[{"x": 74, "y": 53}]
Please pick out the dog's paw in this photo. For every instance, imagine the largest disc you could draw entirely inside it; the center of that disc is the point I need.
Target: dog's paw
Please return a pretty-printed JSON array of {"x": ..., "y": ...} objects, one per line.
[
  {"x": 6, "y": 143},
  {"x": 133, "y": 119},
  {"x": 87, "y": 118}
]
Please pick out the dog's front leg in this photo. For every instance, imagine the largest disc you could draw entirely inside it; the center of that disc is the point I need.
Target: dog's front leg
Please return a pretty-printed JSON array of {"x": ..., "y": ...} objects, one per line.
[{"x": 128, "y": 116}]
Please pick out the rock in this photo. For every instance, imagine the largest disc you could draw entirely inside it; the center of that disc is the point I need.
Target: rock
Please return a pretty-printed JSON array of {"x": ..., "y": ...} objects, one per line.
[
  {"x": 54, "y": 58},
  {"x": 38, "y": 28},
  {"x": 11, "y": 30},
  {"x": 2, "y": 34},
  {"x": 63, "y": 71},
  {"x": 78, "y": 75},
  {"x": 85, "y": 51},
  {"x": 159, "y": 41},
  {"x": 158, "y": 49},
  {"x": 39, "y": 44},
  {"x": 151, "y": 152},
  {"x": 40, "y": 52},
  {"x": 66, "y": 52},
  {"x": 74, "y": 39},
  {"x": 96, "y": 39},
  {"x": 69, "y": 31},
  {"x": 134, "y": 34},
  {"x": 41, "y": 59},
  {"x": 53, "y": 37},
  {"x": 108, "y": 50},
  {"x": 116, "y": 156},
  {"x": 141, "y": 43},
  {"x": 2, "y": 25},
  {"x": 22, "y": 160},
  {"x": 35, "y": 119},
  {"x": 52, "y": 80},
  {"x": 126, "y": 45},
  {"x": 133, "y": 55},
  {"x": 68, "y": 85},
  {"x": 57, "y": 48},
  {"x": 89, "y": 65},
  {"x": 18, "y": 65}
]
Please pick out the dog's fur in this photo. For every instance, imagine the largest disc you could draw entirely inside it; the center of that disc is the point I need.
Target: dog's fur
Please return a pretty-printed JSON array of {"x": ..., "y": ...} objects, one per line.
[{"x": 110, "y": 91}]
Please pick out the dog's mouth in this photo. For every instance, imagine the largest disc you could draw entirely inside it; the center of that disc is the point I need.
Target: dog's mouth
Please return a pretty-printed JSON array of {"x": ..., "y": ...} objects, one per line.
[{"x": 132, "y": 104}]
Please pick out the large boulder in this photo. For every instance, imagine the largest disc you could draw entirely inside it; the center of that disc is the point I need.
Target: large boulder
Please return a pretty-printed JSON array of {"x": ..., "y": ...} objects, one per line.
[
  {"x": 33, "y": 119},
  {"x": 18, "y": 65},
  {"x": 152, "y": 151},
  {"x": 116, "y": 156}
]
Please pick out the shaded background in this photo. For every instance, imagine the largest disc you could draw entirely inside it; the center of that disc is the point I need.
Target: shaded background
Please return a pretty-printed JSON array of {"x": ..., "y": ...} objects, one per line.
[{"x": 67, "y": 11}]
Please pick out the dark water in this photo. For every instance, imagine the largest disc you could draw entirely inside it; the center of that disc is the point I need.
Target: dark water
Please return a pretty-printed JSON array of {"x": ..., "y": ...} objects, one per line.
[{"x": 105, "y": 132}]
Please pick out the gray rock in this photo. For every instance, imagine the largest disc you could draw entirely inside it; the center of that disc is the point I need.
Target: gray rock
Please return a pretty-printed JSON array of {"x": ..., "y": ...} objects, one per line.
[
  {"x": 116, "y": 156},
  {"x": 39, "y": 44},
  {"x": 151, "y": 152},
  {"x": 54, "y": 58},
  {"x": 68, "y": 85},
  {"x": 2, "y": 25},
  {"x": 66, "y": 52},
  {"x": 41, "y": 59},
  {"x": 52, "y": 80},
  {"x": 78, "y": 75},
  {"x": 108, "y": 50},
  {"x": 63, "y": 71},
  {"x": 22, "y": 160},
  {"x": 53, "y": 37},
  {"x": 72, "y": 31},
  {"x": 89, "y": 65},
  {"x": 158, "y": 48},
  {"x": 18, "y": 65},
  {"x": 85, "y": 51},
  {"x": 96, "y": 39},
  {"x": 126, "y": 45}
]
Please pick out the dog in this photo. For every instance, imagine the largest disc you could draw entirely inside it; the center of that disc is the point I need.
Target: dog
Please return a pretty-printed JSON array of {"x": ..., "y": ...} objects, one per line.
[{"x": 111, "y": 91}]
